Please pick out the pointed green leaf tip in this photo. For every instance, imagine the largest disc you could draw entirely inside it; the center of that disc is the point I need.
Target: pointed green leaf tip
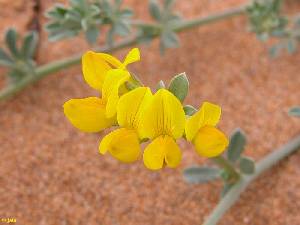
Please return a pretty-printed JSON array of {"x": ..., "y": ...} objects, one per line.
[
  {"x": 29, "y": 45},
  {"x": 196, "y": 175},
  {"x": 179, "y": 86},
  {"x": 295, "y": 111},
  {"x": 247, "y": 165},
  {"x": 160, "y": 85},
  {"x": 11, "y": 42},
  {"x": 154, "y": 10},
  {"x": 236, "y": 145},
  {"x": 189, "y": 110}
]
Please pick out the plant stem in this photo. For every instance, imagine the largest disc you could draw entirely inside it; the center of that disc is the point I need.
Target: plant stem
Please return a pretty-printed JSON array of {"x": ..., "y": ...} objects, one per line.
[
  {"x": 226, "y": 165},
  {"x": 58, "y": 65},
  {"x": 234, "y": 193},
  {"x": 188, "y": 24}
]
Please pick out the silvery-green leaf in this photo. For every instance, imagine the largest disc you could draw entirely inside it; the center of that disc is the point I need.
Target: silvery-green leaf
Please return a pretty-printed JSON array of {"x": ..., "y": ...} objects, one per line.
[
  {"x": 122, "y": 29},
  {"x": 295, "y": 111},
  {"x": 84, "y": 24},
  {"x": 189, "y": 110},
  {"x": 5, "y": 60},
  {"x": 53, "y": 27},
  {"x": 247, "y": 165},
  {"x": 179, "y": 86},
  {"x": 61, "y": 35},
  {"x": 236, "y": 145},
  {"x": 92, "y": 34},
  {"x": 29, "y": 45},
  {"x": 11, "y": 42},
  {"x": 154, "y": 10},
  {"x": 196, "y": 175},
  {"x": 127, "y": 13},
  {"x": 169, "y": 39}
]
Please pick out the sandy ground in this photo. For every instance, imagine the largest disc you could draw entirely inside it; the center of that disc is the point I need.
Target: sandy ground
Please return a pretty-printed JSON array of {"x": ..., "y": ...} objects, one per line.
[{"x": 51, "y": 174}]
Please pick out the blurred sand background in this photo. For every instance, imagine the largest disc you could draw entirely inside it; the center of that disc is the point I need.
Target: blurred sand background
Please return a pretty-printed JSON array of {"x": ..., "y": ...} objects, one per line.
[{"x": 50, "y": 173}]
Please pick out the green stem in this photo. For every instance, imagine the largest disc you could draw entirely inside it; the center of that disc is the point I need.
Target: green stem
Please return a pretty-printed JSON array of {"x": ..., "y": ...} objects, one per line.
[
  {"x": 227, "y": 166},
  {"x": 58, "y": 65},
  {"x": 234, "y": 193},
  {"x": 188, "y": 24}
]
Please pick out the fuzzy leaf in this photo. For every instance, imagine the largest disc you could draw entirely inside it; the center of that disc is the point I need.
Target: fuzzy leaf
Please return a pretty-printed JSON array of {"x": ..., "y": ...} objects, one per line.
[
  {"x": 236, "y": 145},
  {"x": 295, "y": 111},
  {"x": 196, "y": 175},
  {"x": 5, "y": 60},
  {"x": 11, "y": 42},
  {"x": 29, "y": 45},
  {"x": 247, "y": 165},
  {"x": 154, "y": 10},
  {"x": 179, "y": 86},
  {"x": 92, "y": 34}
]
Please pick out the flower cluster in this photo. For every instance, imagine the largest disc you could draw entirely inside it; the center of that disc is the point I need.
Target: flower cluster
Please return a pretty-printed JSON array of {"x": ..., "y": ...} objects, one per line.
[{"x": 142, "y": 116}]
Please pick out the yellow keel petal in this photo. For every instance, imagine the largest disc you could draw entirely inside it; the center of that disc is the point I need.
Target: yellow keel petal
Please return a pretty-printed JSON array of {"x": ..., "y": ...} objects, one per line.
[
  {"x": 210, "y": 142},
  {"x": 88, "y": 114},
  {"x": 123, "y": 144},
  {"x": 162, "y": 149}
]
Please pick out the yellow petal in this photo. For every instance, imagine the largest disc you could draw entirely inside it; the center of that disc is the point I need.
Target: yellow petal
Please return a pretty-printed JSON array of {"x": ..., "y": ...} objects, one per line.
[
  {"x": 123, "y": 144},
  {"x": 114, "y": 62},
  {"x": 162, "y": 149},
  {"x": 164, "y": 116},
  {"x": 131, "y": 107},
  {"x": 208, "y": 115},
  {"x": 110, "y": 91},
  {"x": 154, "y": 154},
  {"x": 210, "y": 142},
  {"x": 88, "y": 114},
  {"x": 94, "y": 69},
  {"x": 132, "y": 56},
  {"x": 173, "y": 153}
]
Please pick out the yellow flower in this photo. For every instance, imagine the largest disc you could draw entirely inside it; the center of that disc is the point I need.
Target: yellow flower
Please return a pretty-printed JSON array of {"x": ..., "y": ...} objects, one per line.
[
  {"x": 163, "y": 122},
  {"x": 96, "y": 65},
  {"x": 94, "y": 114},
  {"x": 201, "y": 131},
  {"x": 124, "y": 143}
]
